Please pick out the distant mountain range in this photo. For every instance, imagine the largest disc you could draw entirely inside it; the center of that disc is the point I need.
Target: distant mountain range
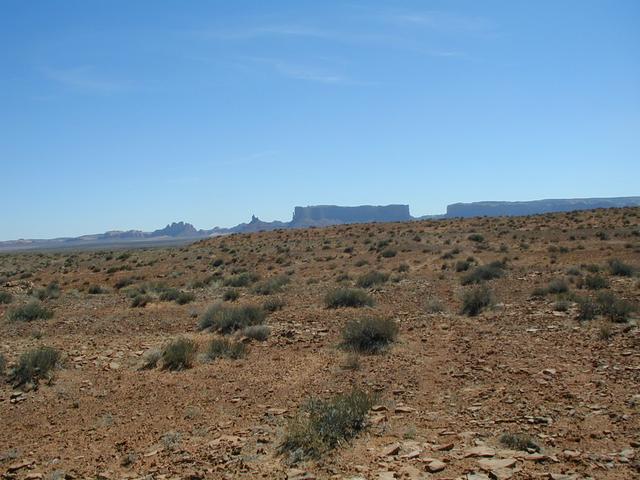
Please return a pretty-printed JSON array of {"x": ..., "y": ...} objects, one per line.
[{"x": 313, "y": 216}]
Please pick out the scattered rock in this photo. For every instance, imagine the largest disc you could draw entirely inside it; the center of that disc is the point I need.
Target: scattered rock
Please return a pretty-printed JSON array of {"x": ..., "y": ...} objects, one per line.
[{"x": 436, "y": 466}]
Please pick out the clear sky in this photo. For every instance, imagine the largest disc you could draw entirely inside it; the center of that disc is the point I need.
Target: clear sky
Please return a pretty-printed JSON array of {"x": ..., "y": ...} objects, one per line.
[{"x": 132, "y": 114}]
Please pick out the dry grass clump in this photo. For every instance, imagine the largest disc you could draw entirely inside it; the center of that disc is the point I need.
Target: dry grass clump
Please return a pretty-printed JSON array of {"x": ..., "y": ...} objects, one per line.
[
  {"x": 347, "y": 297},
  {"x": 35, "y": 365},
  {"x": 225, "y": 348},
  {"x": 323, "y": 425},
  {"x": 179, "y": 354},
  {"x": 369, "y": 334},
  {"x": 372, "y": 278},
  {"x": 29, "y": 312},
  {"x": 229, "y": 318},
  {"x": 476, "y": 300}
]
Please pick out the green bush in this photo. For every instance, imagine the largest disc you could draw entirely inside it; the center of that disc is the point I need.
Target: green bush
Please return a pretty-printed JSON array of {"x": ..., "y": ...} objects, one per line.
[
  {"x": 257, "y": 332},
  {"x": 587, "y": 309},
  {"x": 273, "y": 304},
  {"x": 229, "y": 318},
  {"x": 476, "y": 300},
  {"x": 595, "y": 282},
  {"x": 619, "y": 268},
  {"x": 616, "y": 309},
  {"x": 462, "y": 266},
  {"x": 372, "y": 278},
  {"x": 369, "y": 334},
  {"x": 271, "y": 285},
  {"x": 225, "y": 348},
  {"x": 140, "y": 300},
  {"x": 483, "y": 272},
  {"x": 324, "y": 424},
  {"x": 230, "y": 295},
  {"x": 389, "y": 253},
  {"x": 175, "y": 295},
  {"x": 240, "y": 280},
  {"x": 476, "y": 237},
  {"x": 29, "y": 312},
  {"x": 95, "y": 290},
  {"x": 558, "y": 286},
  {"x": 51, "y": 291},
  {"x": 347, "y": 297},
  {"x": 179, "y": 354},
  {"x": 35, "y": 365},
  {"x": 5, "y": 297}
]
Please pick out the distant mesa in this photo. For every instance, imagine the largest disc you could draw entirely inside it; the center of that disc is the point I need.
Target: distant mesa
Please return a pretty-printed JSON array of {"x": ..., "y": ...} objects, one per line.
[
  {"x": 536, "y": 207},
  {"x": 315, "y": 216},
  {"x": 322, "y": 215}
]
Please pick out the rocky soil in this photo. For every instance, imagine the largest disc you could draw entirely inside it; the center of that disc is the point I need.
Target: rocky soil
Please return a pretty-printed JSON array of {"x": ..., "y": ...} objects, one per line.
[{"x": 448, "y": 389}]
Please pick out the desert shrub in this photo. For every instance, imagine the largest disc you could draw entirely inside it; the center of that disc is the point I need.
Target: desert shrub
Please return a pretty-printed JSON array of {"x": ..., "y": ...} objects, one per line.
[
  {"x": 35, "y": 365},
  {"x": 361, "y": 263},
  {"x": 150, "y": 359},
  {"x": 271, "y": 285},
  {"x": 561, "y": 306},
  {"x": 29, "y": 312},
  {"x": 140, "y": 300},
  {"x": 229, "y": 318},
  {"x": 591, "y": 267},
  {"x": 605, "y": 331},
  {"x": 519, "y": 441},
  {"x": 230, "y": 295},
  {"x": 5, "y": 297},
  {"x": 179, "y": 354},
  {"x": 389, "y": 253},
  {"x": 574, "y": 271},
  {"x": 619, "y": 268},
  {"x": 558, "y": 285},
  {"x": 347, "y": 297},
  {"x": 273, "y": 304},
  {"x": 225, "y": 348},
  {"x": 433, "y": 305},
  {"x": 372, "y": 278},
  {"x": 476, "y": 300},
  {"x": 240, "y": 280},
  {"x": 538, "y": 292},
  {"x": 483, "y": 272},
  {"x": 476, "y": 237},
  {"x": 51, "y": 291},
  {"x": 175, "y": 295},
  {"x": 324, "y": 424},
  {"x": 369, "y": 334},
  {"x": 595, "y": 282},
  {"x": 403, "y": 268},
  {"x": 616, "y": 309},
  {"x": 462, "y": 266},
  {"x": 123, "y": 282},
  {"x": 95, "y": 290},
  {"x": 351, "y": 361},
  {"x": 587, "y": 309},
  {"x": 257, "y": 332},
  {"x": 3, "y": 365}
]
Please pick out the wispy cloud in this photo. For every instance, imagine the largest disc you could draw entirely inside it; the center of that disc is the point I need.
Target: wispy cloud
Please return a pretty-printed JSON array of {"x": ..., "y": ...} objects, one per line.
[
  {"x": 448, "y": 22},
  {"x": 249, "y": 33},
  {"x": 307, "y": 72},
  {"x": 84, "y": 78}
]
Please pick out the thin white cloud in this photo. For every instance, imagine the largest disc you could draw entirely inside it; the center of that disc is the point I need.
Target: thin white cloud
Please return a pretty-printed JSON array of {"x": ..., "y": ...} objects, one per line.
[
  {"x": 307, "y": 72},
  {"x": 84, "y": 78},
  {"x": 440, "y": 21}
]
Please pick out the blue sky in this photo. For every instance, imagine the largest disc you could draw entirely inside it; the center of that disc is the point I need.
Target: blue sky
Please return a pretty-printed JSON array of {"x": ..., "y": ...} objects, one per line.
[{"x": 133, "y": 114}]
